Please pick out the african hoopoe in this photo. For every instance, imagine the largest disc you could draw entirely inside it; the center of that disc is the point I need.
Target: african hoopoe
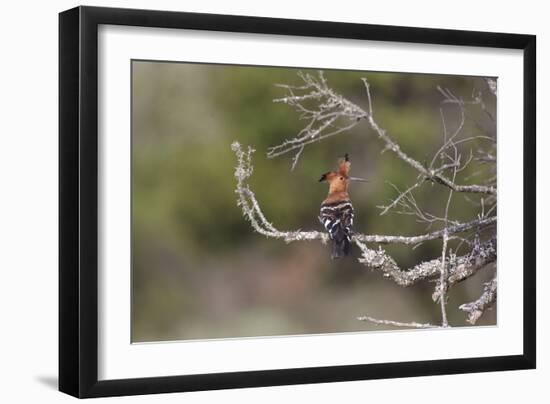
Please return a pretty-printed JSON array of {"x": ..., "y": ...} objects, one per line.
[{"x": 337, "y": 210}]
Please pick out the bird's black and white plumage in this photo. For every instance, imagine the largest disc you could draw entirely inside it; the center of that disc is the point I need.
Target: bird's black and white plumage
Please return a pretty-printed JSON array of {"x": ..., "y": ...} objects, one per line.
[{"x": 337, "y": 218}]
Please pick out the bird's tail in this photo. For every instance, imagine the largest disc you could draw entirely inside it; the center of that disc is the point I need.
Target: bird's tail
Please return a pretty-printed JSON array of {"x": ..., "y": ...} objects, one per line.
[{"x": 340, "y": 248}]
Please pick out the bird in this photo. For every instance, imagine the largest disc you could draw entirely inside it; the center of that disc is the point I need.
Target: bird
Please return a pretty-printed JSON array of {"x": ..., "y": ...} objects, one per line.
[{"x": 337, "y": 213}]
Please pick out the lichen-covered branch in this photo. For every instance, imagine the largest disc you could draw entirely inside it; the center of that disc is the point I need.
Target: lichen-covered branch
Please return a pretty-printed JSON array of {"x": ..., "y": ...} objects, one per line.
[
  {"x": 246, "y": 199},
  {"x": 379, "y": 261},
  {"x": 480, "y": 256},
  {"x": 476, "y": 308},
  {"x": 251, "y": 208}
]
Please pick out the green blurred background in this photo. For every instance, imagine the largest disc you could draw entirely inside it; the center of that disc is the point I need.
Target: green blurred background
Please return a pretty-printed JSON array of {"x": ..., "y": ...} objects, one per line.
[{"x": 200, "y": 271}]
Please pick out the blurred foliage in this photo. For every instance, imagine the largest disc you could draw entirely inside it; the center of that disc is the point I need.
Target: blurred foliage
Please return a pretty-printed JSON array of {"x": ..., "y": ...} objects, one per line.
[{"x": 199, "y": 271}]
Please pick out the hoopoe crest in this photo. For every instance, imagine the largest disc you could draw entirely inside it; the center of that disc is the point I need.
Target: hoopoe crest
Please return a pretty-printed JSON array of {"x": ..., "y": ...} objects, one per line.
[{"x": 336, "y": 210}]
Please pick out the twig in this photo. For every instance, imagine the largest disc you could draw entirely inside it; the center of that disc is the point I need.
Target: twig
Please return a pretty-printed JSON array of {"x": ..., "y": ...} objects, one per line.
[
  {"x": 442, "y": 286},
  {"x": 402, "y": 195},
  {"x": 443, "y": 281}
]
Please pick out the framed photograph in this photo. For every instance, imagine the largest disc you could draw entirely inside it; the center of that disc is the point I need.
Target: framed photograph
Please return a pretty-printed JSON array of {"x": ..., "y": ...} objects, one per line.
[{"x": 252, "y": 201}]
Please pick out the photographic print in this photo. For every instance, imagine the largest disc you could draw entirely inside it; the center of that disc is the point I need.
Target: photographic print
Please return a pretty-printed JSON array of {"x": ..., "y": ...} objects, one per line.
[
  {"x": 271, "y": 201},
  {"x": 249, "y": 201}
]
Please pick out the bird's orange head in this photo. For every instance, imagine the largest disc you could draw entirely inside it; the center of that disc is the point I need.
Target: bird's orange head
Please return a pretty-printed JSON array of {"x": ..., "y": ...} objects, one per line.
[{"x": 338, "y": 180}]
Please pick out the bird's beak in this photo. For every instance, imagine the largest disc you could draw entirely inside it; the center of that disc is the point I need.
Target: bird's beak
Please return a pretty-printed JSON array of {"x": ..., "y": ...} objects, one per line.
[
  {"x": 358, "y": 179},
  {"x": 323, "y": 178}
]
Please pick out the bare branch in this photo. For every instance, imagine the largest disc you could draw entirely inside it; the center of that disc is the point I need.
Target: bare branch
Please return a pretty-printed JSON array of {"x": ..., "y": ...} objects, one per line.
[
  {"x": 397, "y": 323},
  {"x": 333, "y": 107},
  {"x": 476, "y": 308},
  {"x": 411, "y": 240},
  {"x": 323, "y": 120},
  {"x": 429, "y": 174}
]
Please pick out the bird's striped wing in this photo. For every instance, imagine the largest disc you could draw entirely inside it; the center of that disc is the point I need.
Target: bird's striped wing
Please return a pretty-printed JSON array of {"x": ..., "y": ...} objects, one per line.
[{"x": 337, "y": 218}]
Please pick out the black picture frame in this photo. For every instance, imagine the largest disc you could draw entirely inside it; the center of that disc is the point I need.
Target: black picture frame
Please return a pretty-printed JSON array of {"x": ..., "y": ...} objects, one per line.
[{"x": 78, "y": 201}]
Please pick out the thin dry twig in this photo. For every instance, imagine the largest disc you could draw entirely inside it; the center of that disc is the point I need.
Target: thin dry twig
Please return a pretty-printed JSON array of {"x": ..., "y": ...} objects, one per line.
[
  {"x": 442, "y": 285},
  {"x": 443, "y": 282},
  {"x": 411, "y": 324}
]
